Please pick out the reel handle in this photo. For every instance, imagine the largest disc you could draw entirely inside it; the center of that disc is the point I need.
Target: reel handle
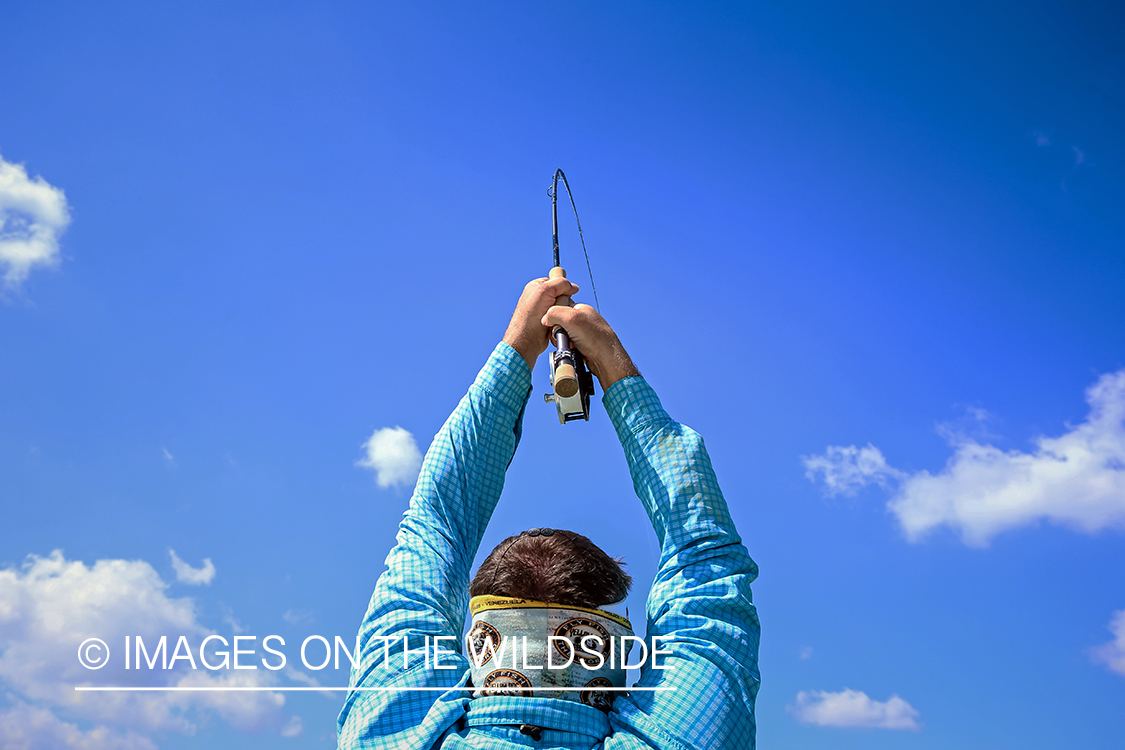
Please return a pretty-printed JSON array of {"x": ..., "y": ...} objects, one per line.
[{"x": 566, "y": 379}]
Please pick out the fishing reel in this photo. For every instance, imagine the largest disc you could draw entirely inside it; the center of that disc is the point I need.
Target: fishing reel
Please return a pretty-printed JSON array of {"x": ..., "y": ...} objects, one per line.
[{"x": 570, "y": 378}]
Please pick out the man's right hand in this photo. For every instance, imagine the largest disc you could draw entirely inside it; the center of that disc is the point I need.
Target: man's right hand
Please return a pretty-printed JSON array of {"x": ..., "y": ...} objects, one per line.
[
  {"x": 526, "y": 332},
  {"x": 591, "y": 335}
]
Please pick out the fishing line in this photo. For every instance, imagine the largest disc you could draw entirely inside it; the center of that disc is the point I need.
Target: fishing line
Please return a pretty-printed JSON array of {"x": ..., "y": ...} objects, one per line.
[{"x": 553, "y": 192}]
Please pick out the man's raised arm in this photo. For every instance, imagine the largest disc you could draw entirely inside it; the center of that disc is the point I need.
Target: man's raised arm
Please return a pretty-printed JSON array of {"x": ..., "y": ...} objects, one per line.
[
  {"x": 424, "y": 591},
  {"x": 700, "y": 601}
]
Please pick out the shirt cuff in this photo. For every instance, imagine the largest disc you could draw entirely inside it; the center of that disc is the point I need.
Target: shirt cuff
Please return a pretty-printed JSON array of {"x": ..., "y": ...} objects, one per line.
[
  {"x": 506, "y": 376},
  {"x": 633, "y": 405}
]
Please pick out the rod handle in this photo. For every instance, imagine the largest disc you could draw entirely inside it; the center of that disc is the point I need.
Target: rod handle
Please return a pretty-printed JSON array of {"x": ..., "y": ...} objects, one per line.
[
  {"x": 558, "y": 272},
  {"x": 566, "y": 379}
]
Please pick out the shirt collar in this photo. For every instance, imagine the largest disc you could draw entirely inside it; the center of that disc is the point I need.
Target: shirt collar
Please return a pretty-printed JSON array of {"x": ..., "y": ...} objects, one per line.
[{"x": 546, "y": 713}]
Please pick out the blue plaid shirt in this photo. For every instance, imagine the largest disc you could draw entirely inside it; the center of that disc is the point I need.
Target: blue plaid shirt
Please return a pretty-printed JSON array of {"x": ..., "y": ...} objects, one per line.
[{"x": 700, "y": 600}]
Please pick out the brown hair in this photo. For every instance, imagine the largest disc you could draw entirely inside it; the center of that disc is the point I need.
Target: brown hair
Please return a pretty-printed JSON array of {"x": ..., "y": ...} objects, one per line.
[{"x": 546, "y": 565}]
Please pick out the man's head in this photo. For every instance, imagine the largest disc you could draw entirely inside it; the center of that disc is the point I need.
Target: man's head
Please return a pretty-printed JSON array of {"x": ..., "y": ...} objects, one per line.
[{"x": 548, "y": 565}]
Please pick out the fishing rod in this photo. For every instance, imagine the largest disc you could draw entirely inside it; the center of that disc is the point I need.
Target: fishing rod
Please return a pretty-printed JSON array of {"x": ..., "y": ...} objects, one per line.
[{"x": 570, "y": 378}]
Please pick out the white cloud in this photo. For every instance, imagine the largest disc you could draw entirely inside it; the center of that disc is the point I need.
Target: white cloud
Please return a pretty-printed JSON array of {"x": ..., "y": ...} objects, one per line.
[
  {"x": 245, "y": 710},
  {"x": 297, "y": 616},
  {"x": 229, "y": 619},
  {"x": 805, "y": 652},
  {"x": 33, "y": 214},
  {"x": 846, "y": 469},
  {"x": 1076, "y": 480},
  {"x": 297, "y": 675},
  {"x": 192, "y": 576},
  {"x": 293, "y": 727},
  {"x": 50, "y": 605},
  {"x": 852, "y": 708},
  {"x": 25, "y": 727},
  {"x": 394, "y": 457},
  {"x": 1112, "y": 654},
  {"x": 168, "y": 456}
]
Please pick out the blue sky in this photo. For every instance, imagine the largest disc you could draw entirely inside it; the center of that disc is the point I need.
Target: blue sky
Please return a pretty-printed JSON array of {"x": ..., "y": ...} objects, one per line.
[{"x": 291, "y": 225}]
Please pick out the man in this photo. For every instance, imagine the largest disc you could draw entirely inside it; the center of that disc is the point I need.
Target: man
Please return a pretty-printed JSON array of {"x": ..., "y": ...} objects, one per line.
[{"x": 700, "y": 603}]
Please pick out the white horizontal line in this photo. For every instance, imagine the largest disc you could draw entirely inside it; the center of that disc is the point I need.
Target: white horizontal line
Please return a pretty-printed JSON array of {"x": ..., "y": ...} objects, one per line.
[{"x": 109, "y": 689}]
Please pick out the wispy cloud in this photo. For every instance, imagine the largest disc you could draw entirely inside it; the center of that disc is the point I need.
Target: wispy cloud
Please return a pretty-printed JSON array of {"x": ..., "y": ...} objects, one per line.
[
  {"x": 24, "y": 726},
  {"x": 845, "y": 469},
  {"x": 293, "y": 727},
  {"x": 33, "y": 214},
  {"x": 230, "y": 620},
  {"x": 297, "y": 616},
  {"x": 192, "y": 576},
  {"x": 1112, "y": 654},
  {"x": 168, "y": 457},
  {"x": 393, "y": 455},
  {"x": 1075, "y": 480},
  {"x": 852, "y": 708},
  {"x": 297, "y": 675}
]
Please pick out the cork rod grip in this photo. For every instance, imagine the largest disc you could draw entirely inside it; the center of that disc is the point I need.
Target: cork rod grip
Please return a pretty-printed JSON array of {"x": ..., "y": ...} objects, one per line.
[
  {"x": 558, "y": 272},
  {"x": 566, "y": 379}
]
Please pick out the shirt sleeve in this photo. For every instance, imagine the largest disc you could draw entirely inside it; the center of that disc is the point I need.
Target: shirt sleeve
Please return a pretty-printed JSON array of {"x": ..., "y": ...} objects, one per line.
[
  {"x": 424, "y": 592},
  {"x": 700, "y": 601}
]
